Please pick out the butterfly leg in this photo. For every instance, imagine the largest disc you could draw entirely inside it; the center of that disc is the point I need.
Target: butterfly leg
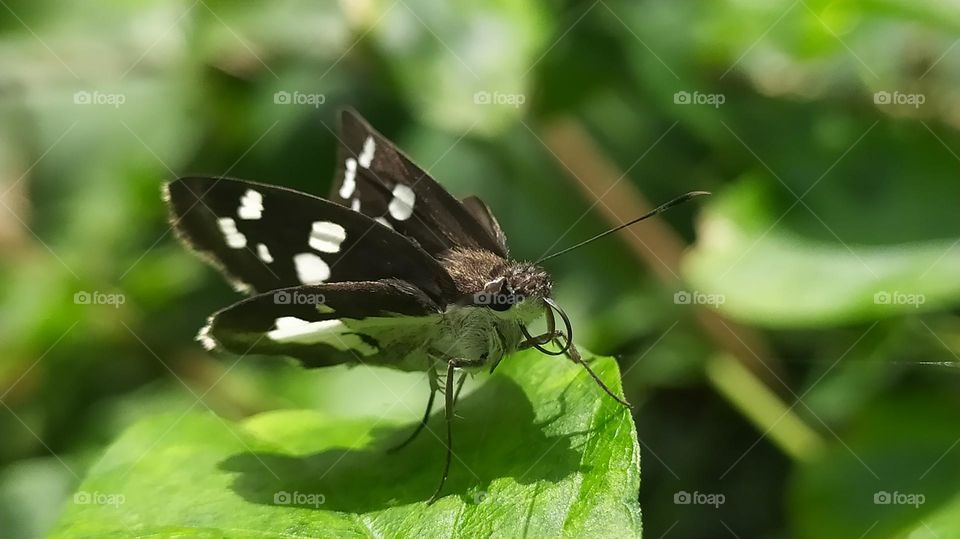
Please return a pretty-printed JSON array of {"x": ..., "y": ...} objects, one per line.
[
  {"x": 537, "y": 340},
  {"x": 547, "y": 336},
  {"x": 574, "y": 356},
  {"x": 434, "y": 387},
  {"x": 451, "y": 391}
]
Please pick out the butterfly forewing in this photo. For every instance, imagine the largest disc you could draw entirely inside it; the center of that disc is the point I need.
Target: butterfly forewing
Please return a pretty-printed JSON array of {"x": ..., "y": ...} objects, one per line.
[
  {"x": 375, "y": 178},
  {"x": 373, "y": 322},
  {"x": 481, "y": 212},
  {"x": 265, "y": 237}
]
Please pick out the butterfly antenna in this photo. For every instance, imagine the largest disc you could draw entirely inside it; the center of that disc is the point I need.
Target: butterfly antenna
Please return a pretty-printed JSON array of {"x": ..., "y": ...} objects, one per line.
[{"x": 659, "y": 209}]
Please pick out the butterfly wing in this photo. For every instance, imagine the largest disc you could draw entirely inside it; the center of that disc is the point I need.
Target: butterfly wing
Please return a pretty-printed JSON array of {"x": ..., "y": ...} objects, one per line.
[
  {"x": 481, "y": 212},
  {"x": 265, "y": 238},
  {"x": 378, "y": 322},
  {"x": 375, "y": 178}
]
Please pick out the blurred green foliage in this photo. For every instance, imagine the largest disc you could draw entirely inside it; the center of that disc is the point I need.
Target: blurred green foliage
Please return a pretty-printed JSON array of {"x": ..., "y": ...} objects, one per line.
[{"x": 833, "y": 231}]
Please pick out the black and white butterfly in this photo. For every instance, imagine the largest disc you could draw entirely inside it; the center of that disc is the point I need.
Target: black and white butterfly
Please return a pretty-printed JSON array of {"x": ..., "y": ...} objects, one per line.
[{"x": 391, "y": 270}]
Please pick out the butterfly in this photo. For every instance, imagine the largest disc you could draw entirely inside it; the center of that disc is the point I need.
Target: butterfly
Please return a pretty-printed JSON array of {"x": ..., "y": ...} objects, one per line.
[{"x": 390, "y": 270}]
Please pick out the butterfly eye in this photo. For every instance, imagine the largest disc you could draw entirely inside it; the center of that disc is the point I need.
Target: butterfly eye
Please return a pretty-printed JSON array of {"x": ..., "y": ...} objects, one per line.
[
  {"x": 497, "y": 296},
  {"x": 505, "y": 299},
  {"x": 502, "y": 303}
]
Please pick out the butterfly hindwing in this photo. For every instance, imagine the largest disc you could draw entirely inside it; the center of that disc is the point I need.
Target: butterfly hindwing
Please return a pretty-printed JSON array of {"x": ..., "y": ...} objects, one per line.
[
  {"x": 371, "y": 322},
  {"x": 375, "y": 178},
  {"x": 265, "y": 238}
]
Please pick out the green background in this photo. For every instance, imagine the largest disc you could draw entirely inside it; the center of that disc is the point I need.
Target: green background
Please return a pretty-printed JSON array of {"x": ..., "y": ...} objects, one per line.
[{"x": 821, "y": 276}]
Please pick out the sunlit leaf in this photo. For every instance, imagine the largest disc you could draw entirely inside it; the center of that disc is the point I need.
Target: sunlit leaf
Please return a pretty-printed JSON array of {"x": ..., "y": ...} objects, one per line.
[{"x": 540, "y": 449}]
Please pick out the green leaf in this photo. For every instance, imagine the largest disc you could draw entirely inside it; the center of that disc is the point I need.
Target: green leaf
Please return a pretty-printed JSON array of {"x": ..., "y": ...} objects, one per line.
[
  {"x": 540, "y": 450},
  {"x": 771, "y": 276}
]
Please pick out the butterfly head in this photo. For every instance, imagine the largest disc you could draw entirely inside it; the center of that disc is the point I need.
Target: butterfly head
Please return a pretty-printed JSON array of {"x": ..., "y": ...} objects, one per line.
[
  {"x": 514, "y": 285},
  {"x": 509, "y": 288}
]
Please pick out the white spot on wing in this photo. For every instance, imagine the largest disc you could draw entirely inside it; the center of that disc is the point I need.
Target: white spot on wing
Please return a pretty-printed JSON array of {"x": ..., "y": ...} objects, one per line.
[
  {"x": 251, "y": 205},
  {"x": 240, "y": 286},
  {"x": 384, "y": 222},
  {"x": 349, "y": 178},
  {"x": 401, "y": 206},
  {"x": 327, "y": 236},
  {"x": 290, "y": 329},
  {"x": 235, "y": 240},
  {"x": 264, "y": 253},
  {"x": 355, "y": 204},
  {"x": 203, "y": 336},
  {"x": 311, "y": 269},
  {"x": 366, "y": 156}
]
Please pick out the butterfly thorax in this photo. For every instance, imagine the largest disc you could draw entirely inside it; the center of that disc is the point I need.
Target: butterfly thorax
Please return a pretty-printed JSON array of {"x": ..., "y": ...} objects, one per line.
[
  {"x": 477, "y": 272},
  {"x": 497, "y": 295}
]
